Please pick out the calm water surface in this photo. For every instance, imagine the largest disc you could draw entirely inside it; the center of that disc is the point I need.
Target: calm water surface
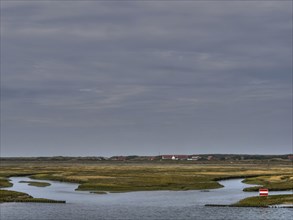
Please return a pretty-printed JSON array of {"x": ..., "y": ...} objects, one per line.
[{"x": 136, "y": 205}]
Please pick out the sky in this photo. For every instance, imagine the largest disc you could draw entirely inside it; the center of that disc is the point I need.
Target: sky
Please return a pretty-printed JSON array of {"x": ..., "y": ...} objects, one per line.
[{"x": 102, "y": 78}]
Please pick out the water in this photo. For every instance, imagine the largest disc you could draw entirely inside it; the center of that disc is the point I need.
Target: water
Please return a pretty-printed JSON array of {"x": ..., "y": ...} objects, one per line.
[{"x": 136, "y": 205}]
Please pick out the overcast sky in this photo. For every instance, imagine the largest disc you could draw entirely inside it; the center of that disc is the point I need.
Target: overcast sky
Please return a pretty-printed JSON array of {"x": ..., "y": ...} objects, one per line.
[{"x": 145, "y": 77}]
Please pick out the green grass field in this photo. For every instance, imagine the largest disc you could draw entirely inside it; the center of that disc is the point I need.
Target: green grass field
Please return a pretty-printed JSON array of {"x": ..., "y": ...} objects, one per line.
[{"x": 126, "y": 177}]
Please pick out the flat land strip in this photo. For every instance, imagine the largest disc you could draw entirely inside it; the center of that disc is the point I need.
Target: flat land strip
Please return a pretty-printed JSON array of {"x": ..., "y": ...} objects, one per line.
[
  {"x": 125, "y": 177},
  {"x": 104, "y": 177}
]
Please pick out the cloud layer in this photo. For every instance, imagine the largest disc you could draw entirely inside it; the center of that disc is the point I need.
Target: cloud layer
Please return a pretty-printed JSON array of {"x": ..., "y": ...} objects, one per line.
[{"x": 105, "y": 78}]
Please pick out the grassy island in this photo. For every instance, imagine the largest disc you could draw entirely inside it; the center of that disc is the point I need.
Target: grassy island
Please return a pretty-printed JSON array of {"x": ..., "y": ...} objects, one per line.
[
  {"x": 13, "y": 196},
  {"x": 37, "y": 184},
  {"x": 264, "y": 201}
]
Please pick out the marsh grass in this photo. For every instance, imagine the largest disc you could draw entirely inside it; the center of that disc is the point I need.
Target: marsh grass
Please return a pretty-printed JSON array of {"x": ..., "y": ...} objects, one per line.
[
  {"x": 13, "y": 196},
  {"x": 273, "y": 183},
  {"x": 125, "y": 177},
  {"x": 263, "y": 201},
  {"x": 37, "y": 184},
  {"x": 4, "y": 182}
]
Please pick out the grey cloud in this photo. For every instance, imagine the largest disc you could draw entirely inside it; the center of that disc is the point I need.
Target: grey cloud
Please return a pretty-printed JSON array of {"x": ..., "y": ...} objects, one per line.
[{"x": 126, "y": 76}]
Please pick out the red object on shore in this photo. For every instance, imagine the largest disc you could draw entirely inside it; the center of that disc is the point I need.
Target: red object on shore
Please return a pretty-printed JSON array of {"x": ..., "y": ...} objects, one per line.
[{"x": 263, "y": 192}]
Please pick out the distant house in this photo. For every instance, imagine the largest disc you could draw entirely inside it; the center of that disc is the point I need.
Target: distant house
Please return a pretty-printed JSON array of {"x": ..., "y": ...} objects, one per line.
[
  {"x": 174, "y": 157},
  {"x": 290, "y": 157},
  {"x": 168, "y": 157},
  {"x": 193, "y": 157}
]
